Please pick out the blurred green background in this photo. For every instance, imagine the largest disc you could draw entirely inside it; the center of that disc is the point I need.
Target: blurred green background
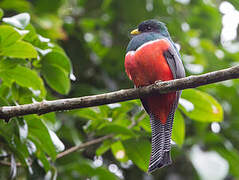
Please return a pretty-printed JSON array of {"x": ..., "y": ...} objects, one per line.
[{"x": 52, "y": 49}]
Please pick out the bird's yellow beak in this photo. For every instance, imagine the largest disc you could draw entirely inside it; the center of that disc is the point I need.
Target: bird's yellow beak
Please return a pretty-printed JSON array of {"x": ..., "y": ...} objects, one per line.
[{"x": 135, "y": 32}]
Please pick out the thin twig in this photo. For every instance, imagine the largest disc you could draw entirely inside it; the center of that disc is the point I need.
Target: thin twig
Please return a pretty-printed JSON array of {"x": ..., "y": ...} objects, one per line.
[
  {"x": 84, "y": 145},
  {"x": 7, "y": 112},
  {"x": 6, "y": 163}
]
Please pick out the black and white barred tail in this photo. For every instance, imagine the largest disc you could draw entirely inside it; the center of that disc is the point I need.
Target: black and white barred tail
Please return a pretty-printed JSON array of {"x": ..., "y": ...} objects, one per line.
[{"x": 161, "y": 140}]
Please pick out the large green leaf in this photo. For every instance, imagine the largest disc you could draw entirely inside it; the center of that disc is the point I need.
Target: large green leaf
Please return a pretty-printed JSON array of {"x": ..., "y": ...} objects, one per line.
[
  {"x": 138, "y": 150},
  {"x": 105, "y": 146},
  {"x": 57, "y": 58},
  {"x": 56, "y": 77},
  {"x": 118, "y": 151},
  {"x": 8, "y": 36},
  {"x": 24, "y": 77},
  {"x": 8, "y": 63},
  {"x": 1, "y": 13},
  {"x": 38, "y": 132},
  {"x": 200, "y": 106},
  {"x": 19, "y": 49},
  {"x": 178, "y": 132},
  {"x": 116, "y": 129}
]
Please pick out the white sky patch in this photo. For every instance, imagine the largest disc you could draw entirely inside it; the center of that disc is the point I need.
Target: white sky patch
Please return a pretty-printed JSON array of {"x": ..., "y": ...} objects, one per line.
[
  {"x": 31, "y": 146},
  {"x": 183, "y": 1},
  {"x": 23, "y": 131},
  {"x": 110, "y": 119},
  {"x": 177, "y": 46},
  {"x": 69, "y": 20},
  {"x": 226, "y": 106},
  {"x": 194, "y": 68},
  {"x": 127, "y": 164},
  {"x": 230, "y": 21},
  {"x": 98, "y": 161},
  {"x": 43, "y": 52},
  {"x": 186, "y": 104},
  {"x": 35, "y": 92},
  {"x": 43, "y": 39},
  {"x": 21, "y": 32},
  {"x": 185, "y": 27},
  {"x": 172, "y": 142},
  {"x": 88, "y": 37},
  {"x": 18, "y": 21},
  {"x": 114, "y": 105},
  {"x": 50, "y": 44},
  {"x": 228, "y": 83},
  {"x": 208, "y": 164},
  {"x": 215, "y": 127},
  {"x": 149, "y": 5},
  {"x": 194, "y": 42},
  {"x": 120, "y": 154},
  {"x": 219, "y": 53},
  {"x": 105, "y": 17},
  {"x": 56, "y": 141},
  {"x": 72, "y": 76},
  {"x": 170, "y": 10},
  {"x": 214, "y": 109},
  {"x": 114, "y": 169},
  {"x": 188, "y": 58},
  {"x": 228, "y": 145}
]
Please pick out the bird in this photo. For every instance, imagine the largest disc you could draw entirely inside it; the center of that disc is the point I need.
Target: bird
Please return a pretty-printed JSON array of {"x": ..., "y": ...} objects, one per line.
[{"x": 152, "y": 56}]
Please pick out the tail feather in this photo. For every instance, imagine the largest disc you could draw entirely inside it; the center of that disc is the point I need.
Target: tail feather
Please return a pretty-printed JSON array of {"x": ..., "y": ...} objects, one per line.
[{"x": 161, "y": 143}]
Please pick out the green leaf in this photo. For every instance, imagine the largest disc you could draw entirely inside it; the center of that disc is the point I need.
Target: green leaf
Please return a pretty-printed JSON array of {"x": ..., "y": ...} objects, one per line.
[
  {"x": 42, "y": 156},
  {"x": 24, "y": 77},
  {"x": 49, "y": 117},
  {"x": 1, "y": 13},
  {"x": 8, "y": 63},
  {"x": 3, "y": 102},
  {"x": 138, "y": 150},
  {"x": 19, "y": 49},
  {"x": 22, "y": 95},
  {"x": 178, "y": 132},
  {"x": 7, "y": 133},
  {"x": 8, "y": 36},
  {"x": 145, "y": 124},
  {"x": 19, "y": 21},
  {"x": 118, "y": 151},
  {"x": 200, "y": 106},
  {"x": 57, "y": 58},
  {"x": 87, "y": 113},
  {"x": 38, "y": 132},
  {"x": 116, "y": 129},
  {"x": 105, "y": 146},
  {"x": 56, "y": 77}
]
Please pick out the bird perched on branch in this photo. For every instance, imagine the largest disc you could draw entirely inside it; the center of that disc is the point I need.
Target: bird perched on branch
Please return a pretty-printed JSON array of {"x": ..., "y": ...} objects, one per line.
[{"x": 152, "y": 56}]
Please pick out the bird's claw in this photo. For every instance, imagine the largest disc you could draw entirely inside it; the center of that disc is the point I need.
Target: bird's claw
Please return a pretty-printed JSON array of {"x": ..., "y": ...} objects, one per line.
[{"x": 158, "y": 81}]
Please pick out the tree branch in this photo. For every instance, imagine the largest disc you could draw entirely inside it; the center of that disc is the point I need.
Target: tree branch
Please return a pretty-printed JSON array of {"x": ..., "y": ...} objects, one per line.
[{"x": 7, "y": 112}]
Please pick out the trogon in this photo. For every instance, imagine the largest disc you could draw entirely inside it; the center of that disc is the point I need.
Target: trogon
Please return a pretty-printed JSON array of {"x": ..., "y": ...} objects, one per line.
[{"x": 152, "y": 56}]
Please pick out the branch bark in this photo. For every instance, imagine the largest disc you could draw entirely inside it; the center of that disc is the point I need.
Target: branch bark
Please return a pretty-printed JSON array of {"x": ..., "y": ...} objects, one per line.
[{"x": 7, "y": 112}]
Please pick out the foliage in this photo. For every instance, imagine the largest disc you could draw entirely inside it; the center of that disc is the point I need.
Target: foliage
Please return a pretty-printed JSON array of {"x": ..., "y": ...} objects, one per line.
[{"x": 55, "y": 49}]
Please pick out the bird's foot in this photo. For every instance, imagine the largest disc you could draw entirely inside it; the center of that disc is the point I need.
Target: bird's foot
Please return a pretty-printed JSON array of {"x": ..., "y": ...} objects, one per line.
[{"x": 158, "y": 81}]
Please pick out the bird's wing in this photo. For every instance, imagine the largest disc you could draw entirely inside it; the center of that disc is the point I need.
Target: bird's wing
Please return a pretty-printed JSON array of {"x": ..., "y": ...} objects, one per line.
[{"x": 174, "y": 61}]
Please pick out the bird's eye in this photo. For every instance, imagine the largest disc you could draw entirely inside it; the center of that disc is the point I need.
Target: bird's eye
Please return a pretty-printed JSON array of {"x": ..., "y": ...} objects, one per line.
[{"x": 149, "y": 28}]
